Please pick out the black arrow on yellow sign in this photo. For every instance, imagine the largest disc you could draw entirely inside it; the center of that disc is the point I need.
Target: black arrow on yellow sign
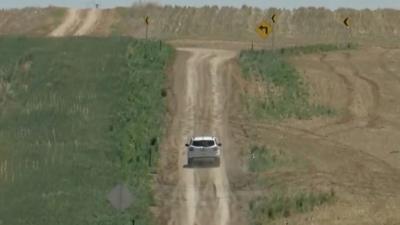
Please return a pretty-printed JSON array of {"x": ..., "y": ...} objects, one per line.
[
  {"x": 146, "y": 20},
  {"x": 346, "y": 22},
  {"x": 265, "y": 28}
]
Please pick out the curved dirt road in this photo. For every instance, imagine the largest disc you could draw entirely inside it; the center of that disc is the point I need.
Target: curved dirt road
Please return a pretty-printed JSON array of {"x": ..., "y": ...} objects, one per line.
[
  {"x": 89, "y": 23},
  {"x": 71, "y": 20},
  {"x": 200, "y": 195},
  {"x": 73, "y": 24}
]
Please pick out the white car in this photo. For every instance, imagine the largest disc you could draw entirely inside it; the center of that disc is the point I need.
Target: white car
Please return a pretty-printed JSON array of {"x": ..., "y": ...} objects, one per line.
[{"x": 203, "y": 148}]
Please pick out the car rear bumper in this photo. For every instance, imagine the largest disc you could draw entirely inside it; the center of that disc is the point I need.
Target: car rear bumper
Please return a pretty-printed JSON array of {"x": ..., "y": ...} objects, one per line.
[{"x": 196, "y": 154}]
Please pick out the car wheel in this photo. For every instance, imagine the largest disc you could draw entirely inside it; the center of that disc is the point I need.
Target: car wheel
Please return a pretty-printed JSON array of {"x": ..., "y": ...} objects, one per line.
[
  {"x": 217, "y": 162},
  {"x": 190, "y": 162}
]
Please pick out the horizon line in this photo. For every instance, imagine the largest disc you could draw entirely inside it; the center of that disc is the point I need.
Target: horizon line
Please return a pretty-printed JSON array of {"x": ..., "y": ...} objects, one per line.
[{"x": 193, "y": 6}]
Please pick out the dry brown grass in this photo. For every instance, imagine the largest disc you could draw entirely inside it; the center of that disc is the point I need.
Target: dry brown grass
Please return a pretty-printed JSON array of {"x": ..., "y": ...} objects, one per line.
[
  {"x": 32, "y": 21},
  {"x": 298, "y": 26},
  {"x": 302, "y": 25}
]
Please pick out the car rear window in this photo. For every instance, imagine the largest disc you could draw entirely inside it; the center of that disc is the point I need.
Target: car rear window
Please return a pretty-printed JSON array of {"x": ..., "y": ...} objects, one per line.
[{"x": 203, "y": 143}]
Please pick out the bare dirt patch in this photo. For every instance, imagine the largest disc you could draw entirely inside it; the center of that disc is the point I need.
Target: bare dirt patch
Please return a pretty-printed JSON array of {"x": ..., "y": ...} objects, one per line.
[{"x": 352, "y": 153}]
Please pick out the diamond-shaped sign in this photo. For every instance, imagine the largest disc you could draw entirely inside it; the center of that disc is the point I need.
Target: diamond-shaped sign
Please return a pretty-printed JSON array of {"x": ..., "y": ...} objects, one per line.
[{"x": 120, "y": 197}]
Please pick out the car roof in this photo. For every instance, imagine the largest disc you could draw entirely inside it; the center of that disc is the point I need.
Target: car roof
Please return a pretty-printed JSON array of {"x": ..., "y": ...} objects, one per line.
[{"x": 203, "y": 138}]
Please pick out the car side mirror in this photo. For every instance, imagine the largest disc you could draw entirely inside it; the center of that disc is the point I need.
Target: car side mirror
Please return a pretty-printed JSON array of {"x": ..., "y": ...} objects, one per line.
[
  {"x": 187, "y": 145},
  {"x": 219, "y": 144}
]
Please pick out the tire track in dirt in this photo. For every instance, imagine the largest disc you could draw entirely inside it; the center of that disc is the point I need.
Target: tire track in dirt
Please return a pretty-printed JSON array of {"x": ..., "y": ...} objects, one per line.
[
  {"x": 187, "y": 178},
  {"x": 383, "y": 65},
  {"x": 348, "y": 116},
  {"x": 74, "y": 25},
  {"x": 344, "y": 162},
  {"x": 342, "y": 148},
  {"x": 220, "y": 177},
  {"x": 186, "y": 194},
  {"x": 201, "y": 194},
  {"x": 70, "y": 22},
  {"x": 375, "y": 91},
  {"x": 89, "y": 23}
]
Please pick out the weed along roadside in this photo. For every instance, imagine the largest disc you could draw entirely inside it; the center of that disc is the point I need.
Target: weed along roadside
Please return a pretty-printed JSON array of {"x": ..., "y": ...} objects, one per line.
[
  {"x": 142, "y": 125},
  {"x": 282, "y": 93},
  {"x": 279, "y": 200},
  {"x": 79, "y": 116}
]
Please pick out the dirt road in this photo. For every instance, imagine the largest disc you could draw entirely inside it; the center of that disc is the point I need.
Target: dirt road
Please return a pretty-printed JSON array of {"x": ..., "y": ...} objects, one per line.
[
  {"x": 71, "y": 20},
  {"x": 199, "y": 87},
  {"x": 77, "y": 23},
  {"x": 88, "y": 24}
]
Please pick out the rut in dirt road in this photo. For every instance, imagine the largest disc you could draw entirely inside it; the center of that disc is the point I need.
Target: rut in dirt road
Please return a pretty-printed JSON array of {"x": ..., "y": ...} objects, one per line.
[
  {"x": 74, "y": 25},
  {"x": 202, "y": 195},
  {"x": 71, "y": 20},
  {"x": 89, "y": 23}
]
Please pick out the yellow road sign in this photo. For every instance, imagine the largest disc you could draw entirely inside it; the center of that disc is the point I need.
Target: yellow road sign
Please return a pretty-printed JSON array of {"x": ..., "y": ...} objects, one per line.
[
  {"x": 264, "y": 29},
  {"x": 346, "y": 22},
  {"x": 146, "y": 20}
]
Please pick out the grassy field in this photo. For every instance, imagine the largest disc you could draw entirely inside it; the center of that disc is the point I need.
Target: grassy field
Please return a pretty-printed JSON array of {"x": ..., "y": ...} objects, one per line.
[
  {"x": 266, "y": 209},
  {"x": 285, "y": 94},
  {"x": 281, "y": 200},
  {"x": 78, "y": 116},
  {"x": 262, "y": 159}
]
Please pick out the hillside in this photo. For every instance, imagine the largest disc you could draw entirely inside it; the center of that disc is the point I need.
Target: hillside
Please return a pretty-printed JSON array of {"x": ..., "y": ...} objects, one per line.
[
  {"x": 30, "y": 21},
  {"x": 305, "y": 25},
  {"x": 302, "y": 25}
]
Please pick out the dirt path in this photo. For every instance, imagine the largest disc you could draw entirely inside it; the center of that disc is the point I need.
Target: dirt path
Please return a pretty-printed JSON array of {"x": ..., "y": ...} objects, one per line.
[
  {"x": 199, "y": 195},
  {"x": 71, "y": 20},
  {"x": 89, "y": 23},
  {"x": 74, "y": 24}
]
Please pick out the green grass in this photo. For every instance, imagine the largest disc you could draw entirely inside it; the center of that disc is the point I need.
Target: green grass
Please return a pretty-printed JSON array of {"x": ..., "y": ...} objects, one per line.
[
  {"x": 262, "y": 159},
  {"x": 308, "y": 49},
  {"x": 78, "y": 116},
  {"x": 287, "y": 93},
  {"x": 266, "y": 209}
]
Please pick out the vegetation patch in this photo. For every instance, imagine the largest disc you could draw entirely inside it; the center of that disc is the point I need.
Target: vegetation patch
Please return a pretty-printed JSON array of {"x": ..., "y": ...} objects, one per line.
[
  {"x": 261, "y": 158},
  {"x": 287, "y": 94},
  {"x": 308, "y": 49},
  {"x": 266, "y": 209},
  {"x": 77, "y": 117}
]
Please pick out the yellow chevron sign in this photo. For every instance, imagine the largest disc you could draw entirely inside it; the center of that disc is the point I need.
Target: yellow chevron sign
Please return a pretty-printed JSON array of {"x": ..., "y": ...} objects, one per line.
[
  {"x": 346, "y": 22},
  {"x": 273, "y": 18}
]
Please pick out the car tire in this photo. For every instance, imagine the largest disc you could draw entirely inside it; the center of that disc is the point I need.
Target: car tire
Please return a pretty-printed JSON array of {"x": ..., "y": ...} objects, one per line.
[
  {"x": 217, "y": 162},
  {"x": 190, "y": 162}
]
